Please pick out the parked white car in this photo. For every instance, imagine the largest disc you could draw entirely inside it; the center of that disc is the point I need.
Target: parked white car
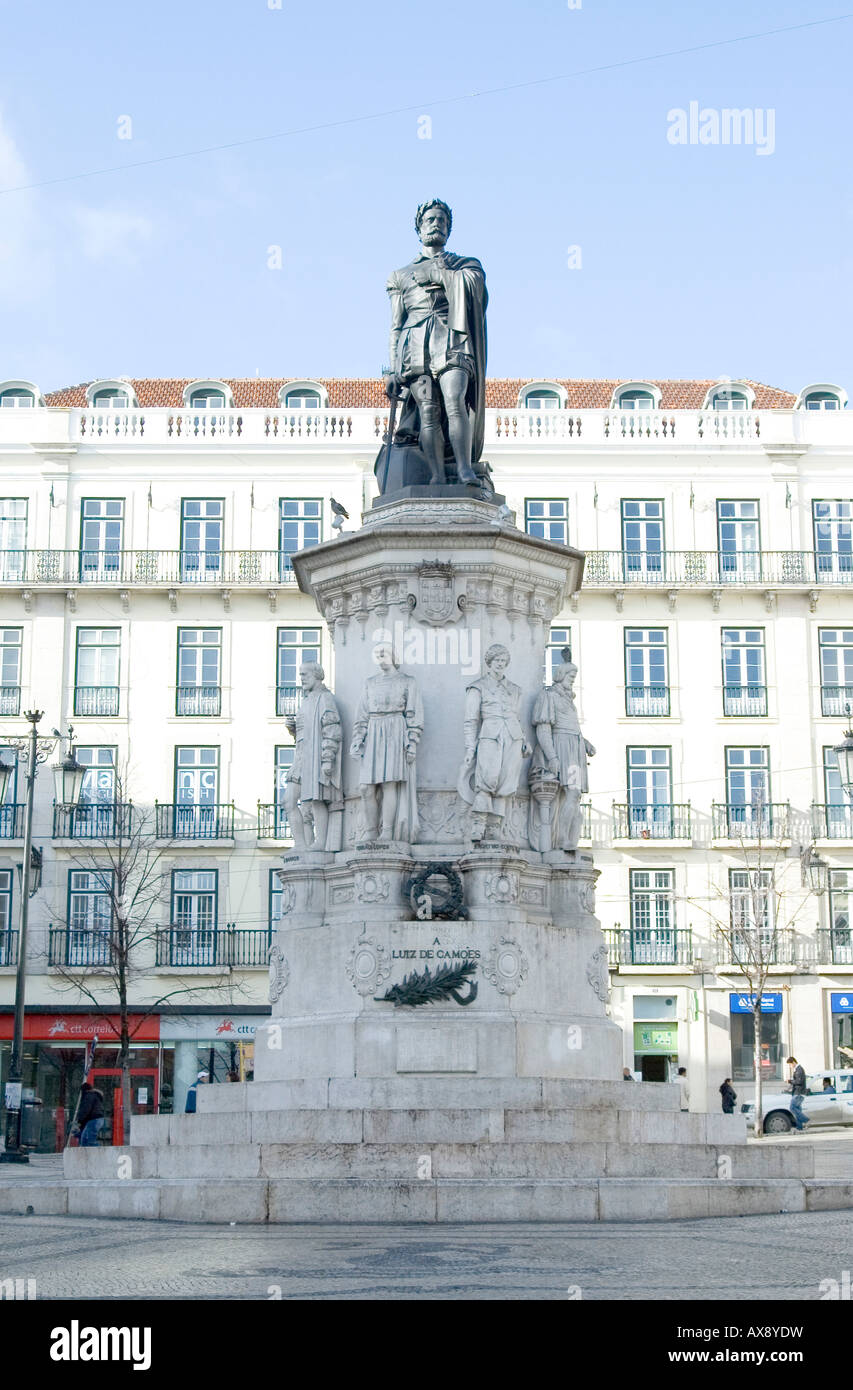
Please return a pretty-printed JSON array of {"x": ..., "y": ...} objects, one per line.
[{"x": 820, "y": 1106}]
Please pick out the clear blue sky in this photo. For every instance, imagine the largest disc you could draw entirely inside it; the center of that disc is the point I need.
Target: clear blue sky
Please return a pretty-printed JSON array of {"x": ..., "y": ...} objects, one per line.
[{"x": 696, "y": 261}]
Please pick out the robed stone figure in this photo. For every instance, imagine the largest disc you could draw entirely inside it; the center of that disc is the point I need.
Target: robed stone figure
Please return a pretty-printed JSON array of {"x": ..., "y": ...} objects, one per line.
[
  {"x": 438, "y": 353},
  {"x": 314, "y": 780},
  {"x": 387, "y": 728},
  {"x": 495, "y": 745},
  {"x": 558, "y": 768}
]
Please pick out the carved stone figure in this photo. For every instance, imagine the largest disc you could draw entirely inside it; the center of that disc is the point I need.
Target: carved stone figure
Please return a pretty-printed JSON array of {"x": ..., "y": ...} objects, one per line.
[
  {"x": 494, "y": 745},
  {"x": 438, "y": 363},
  {"x": 387, "y": 727},
  {"x": 313, "y": 783},
  {"x": 558, "y": 770}
]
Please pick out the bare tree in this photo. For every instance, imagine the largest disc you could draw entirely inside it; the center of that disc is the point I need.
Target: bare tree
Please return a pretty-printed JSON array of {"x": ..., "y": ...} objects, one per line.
[{"x": 103, "y": 959}]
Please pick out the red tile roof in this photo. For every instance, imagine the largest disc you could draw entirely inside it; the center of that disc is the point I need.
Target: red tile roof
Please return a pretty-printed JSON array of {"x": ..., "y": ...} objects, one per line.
[{"x": 351, "y": 393}]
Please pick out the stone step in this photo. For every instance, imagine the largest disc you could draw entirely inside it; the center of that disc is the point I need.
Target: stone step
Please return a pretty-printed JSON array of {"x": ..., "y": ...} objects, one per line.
[
  {"x": 406, "y": 1162},
  {"x": 348, "y": 1201},
  {"x": 447, "y": 1126},
  {"x": 437, "y": 1093}
]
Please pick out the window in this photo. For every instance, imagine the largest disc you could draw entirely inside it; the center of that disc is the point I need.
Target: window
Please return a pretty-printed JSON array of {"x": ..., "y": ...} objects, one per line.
[
  {"x": 748, "y": 791},
  {"x": 840, "y": 904},
  {"x": 729, "y": 400},
  {"x": 635, "y": 400},
  {"x": 559, "y": 640},
  {"x": 194, "y": 916},
  {"x": 542, "y": 400},
  {"x": 300, "y": 524},
  {"x": 89, "y": 916},
  {"x": 94, "y": 817},
  {"x": 652, "y": 916},
  {"x": 835, "y": 645},
  {"x": 547, "y": 518},
  {"x": 11, "y": 814},
  {"x": 201, "y": 538},
  {"x": 743, "y": 1047},
  {"x": 10, "y": 670},
  {"x": 738, "y": 541},
  {"x": 744, "y": 681},
  {"x": 284, "y": 755},
  {"x": 752, "y": 914},
  {"x": 302, "y": 400},
  {"x": 837, "y": 804},
  {"x": 96, "y": 687},
  {"x": 642, "y": 538},
  {"x": 196, "y": 792},
  {"x": 646, "y": 671},
  {"x": 207, "y": 399},
  {"x": 833, "y": 539},
  {"x": 110, "y": 399},
  {"x": 295, "y": 646},
  {"x": 649, "y": 791},
  {"x": 821, "y": 400},
  {"x": 199, "y": 671},
  {"x": 13, "y": 537},
  {"x": 17, "y": 398},
  {"x": 8, "y": 938},
  {"x": 101, "y": 527},
  {"x": 275, "y": 892}
]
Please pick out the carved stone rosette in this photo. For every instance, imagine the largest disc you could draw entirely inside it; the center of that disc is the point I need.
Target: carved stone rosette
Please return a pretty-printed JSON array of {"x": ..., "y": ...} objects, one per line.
[{"x": 506, "y": 966}]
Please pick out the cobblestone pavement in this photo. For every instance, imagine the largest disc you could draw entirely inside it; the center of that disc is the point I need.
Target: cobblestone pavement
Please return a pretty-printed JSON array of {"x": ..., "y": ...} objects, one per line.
[{"x": 754, "y": 1257}]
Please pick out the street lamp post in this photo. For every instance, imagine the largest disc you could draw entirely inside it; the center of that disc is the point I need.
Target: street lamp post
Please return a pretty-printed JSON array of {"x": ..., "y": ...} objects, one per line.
[
  {"x": 844, "y": 757},
  {"x": 70, "y": 776}
]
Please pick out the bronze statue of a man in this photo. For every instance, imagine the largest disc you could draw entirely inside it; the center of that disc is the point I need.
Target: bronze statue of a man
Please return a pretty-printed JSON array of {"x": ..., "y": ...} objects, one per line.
[{"x": 438, "y": 351}]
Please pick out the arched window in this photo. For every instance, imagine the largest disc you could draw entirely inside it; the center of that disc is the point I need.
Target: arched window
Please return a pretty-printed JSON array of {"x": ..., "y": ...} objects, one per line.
[
  {"x": 726, "y": 394},
  {"x": 17, "y": 398},
  {"x": 542, "y": 395},
  {"x": 302, "y": 400},
  {"x": 729, "y": 400},
  {"x": 636, "y": 395},
  {"x": 542, "y": 400},
  {"x": 208, "y": 395},
  {"x": 303, "y": 395},
  {"x": 822, "y": 397},
  {"x": 111, "y": 398}
]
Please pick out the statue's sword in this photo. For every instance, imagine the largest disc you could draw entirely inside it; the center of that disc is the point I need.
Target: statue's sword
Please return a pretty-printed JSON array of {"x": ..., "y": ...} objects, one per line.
[{"x": 392, "y": 424}]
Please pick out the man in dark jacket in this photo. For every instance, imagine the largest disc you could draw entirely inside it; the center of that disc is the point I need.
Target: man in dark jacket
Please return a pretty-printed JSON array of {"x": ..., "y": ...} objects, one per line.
[
  {"x": 798, "y": 1090},
  {"x": 90, "y": 1115},
  {"x": 729, "y": 1096}
]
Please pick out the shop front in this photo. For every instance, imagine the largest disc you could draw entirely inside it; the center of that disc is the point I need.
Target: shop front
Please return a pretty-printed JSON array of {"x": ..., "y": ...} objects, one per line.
[
  {"x": 655, "y": 1036},
  {"x": 841, "y": 1011},
  {"x": 742, "y": 1019},
  {"x": 220, "y": 1045}
]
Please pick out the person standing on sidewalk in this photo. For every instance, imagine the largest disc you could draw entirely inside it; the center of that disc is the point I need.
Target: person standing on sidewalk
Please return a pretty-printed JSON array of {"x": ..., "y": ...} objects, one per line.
[
  {"x": 728, "y": 1095},
  {"x": 90, "y": 1116},
  {"x": 798, "y": 1090},
  {"x": 684, "y": 1088}
]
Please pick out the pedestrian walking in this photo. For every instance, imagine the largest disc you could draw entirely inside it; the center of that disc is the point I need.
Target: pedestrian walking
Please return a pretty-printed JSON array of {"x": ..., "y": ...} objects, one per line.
[
  {"x": 729, "y": 1096},
  {"x": 90, "y": 1115},
  {"x": 192, "y": 1093},
  {"x": 684, "y": 1088},
  {"x": 798, "y": 1090}
]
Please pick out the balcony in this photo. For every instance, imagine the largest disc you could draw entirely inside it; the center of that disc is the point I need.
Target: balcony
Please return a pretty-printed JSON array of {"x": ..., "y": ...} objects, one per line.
[
  {"x": 100, "y": 821},
  {"x": 146, "y": 569},
  {"x": 771, "y": 947},
  {"x": 745, "y": 701},
  {"x": 272, "y": 822},
  {"x": 651, "y": 701},
  {"x": 198, "y": 700},
  {"x": 835, "y": 946},
  {"x": 663, "y": 822},
  {"x": 832, "y": 822},
  {"x": 651, "y": 946},
  {"x": 738, "y": 822},
  {"x": 8, "y": 948},
  {"x": 75, "y": 949},
  {"x": 834, "y": 699},
  {"x": 287, "y": 699},
  {"x": 12, "y": 822},
  {"x": 96, "y": 700},
  {"x": 708, "y": 569},
  {"x": 10, "y": 699},
  {"x": 185, "y": 947},
  {"x": 182, "y": 821}
]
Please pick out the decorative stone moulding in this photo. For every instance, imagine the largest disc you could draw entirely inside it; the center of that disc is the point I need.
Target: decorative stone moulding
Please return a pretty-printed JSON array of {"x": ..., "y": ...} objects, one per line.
[
  {"x": 506, "y": 966},
  {"x": 368, "y": 967},
  {"x": 279, "y": 973}
]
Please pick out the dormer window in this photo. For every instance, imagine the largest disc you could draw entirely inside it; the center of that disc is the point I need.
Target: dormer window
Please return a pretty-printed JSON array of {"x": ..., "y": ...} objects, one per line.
[
  {"x": 108, "y": 399},
  {"x": 542, "y": 400},
  {"x": 207, "y": 399},
  {"x": 729, "y": 400},
  {"x": 302, "y": 400},
  {"x": 636, "y": 400},
  {"x": 303, "y": 395},
  {"x": 822, "y": 398},
  {"x": 16, "y": 398},
  {"x": 726, "y": 394}
]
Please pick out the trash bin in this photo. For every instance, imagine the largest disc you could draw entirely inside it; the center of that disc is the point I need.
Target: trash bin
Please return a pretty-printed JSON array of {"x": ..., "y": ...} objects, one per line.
[{"x": 31, "y": 1117}]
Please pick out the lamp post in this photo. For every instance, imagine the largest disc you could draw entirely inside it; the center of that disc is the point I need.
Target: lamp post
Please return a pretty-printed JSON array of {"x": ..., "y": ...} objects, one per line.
[
  {"x": 69, "y": 780},
  {"x": 844, "y": 756}
]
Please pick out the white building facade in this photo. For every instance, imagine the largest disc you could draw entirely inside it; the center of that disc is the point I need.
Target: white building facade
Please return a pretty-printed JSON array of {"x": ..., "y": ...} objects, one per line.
[{"x": 147, "y": 599}]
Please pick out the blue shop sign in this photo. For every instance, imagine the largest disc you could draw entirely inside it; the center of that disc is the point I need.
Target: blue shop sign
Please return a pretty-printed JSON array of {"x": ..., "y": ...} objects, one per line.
[
  {"x": 742, "y": 1003},
  {"x": 842, "y": 1003}
]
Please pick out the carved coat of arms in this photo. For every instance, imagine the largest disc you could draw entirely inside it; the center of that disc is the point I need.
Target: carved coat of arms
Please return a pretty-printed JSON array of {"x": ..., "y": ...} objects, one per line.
[{"x": 436, "y": 599}]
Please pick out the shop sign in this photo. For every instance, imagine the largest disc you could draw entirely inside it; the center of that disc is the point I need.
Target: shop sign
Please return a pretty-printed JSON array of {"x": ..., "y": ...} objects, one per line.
[
  {"x": 656, "y": 1039},
  {"x": 744, "y": 1003},
  {"x": 842, "y": 1003},
  {"x": 211, "y": 1027},
  {"x": 60, "y": 1028}
]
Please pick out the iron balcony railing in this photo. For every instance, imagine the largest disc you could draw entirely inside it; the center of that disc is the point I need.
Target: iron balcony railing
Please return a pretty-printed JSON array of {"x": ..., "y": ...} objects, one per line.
[
  {"x": 198, "y": 700},
  {"x": 649, "y": 700},
  {"x": 12, "y": 822},
  {"x": 835, "y": 945},
  {"x": 832, "y": 822},
  {"x": 834, "y": 699},
  {"x": 145, "y": 568},
  {"x": 745, "y": 700},
  {"x": 287, "y": 699},
  {"x": 747, "y": 947},
  {"x": 96, "y": 699},
  {"x": 101, "y": 821},
  {"x": 10, "y": 699},
  {"x": 272, "y": 821},
  {"x": 663, "y": 822},
  {"x": 184, "y": 821},
  {"x": 184, "y": 947},
  {"x": 709, "y": 569},
  {"x": 8, "y": 947},
  {"x": 769, "y": 821},
  {"x": 79, "y": 947},
  {"x": 649, "y": 946}
]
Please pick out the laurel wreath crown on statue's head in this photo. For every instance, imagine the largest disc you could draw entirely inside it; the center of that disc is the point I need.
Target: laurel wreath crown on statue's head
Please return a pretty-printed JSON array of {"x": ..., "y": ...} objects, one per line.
[{"x": 424, "y": 209}]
